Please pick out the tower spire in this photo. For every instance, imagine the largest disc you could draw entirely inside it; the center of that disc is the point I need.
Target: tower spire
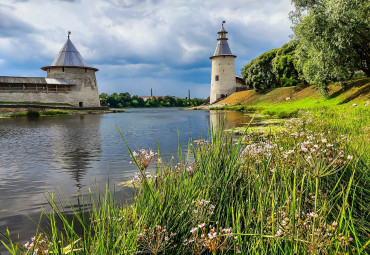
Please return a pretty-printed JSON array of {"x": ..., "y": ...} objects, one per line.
[
  {"x": 222, "y": 47},
  {"x": 69, "y": 33}
]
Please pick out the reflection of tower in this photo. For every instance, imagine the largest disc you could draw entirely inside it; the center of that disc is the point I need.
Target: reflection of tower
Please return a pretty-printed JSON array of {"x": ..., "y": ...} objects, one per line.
[
  {"x": 223, "y": 81},
  {"x": 70, "y": 65},
  {"x": 230, "y": 119},
  {"x": 76, "y": 144}
]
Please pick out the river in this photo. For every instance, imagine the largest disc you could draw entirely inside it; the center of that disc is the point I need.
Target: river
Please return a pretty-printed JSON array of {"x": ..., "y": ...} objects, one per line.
[{"x": 72, "y": 153}]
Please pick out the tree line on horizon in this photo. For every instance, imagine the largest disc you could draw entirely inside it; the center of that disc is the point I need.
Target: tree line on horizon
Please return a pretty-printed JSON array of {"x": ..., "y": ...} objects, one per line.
[
  {"x": 331, "y": 43},
  {"x": 125, "y": 100}
]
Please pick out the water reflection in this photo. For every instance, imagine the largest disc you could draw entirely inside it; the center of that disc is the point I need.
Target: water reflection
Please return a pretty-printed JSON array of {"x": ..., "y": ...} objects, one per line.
[
  {"x": 75, "y": 147},
  {"x": 230, "y": 119}
]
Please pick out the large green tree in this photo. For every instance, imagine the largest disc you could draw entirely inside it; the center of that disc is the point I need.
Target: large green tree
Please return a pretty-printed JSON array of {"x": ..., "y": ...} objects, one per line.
[
  {"x": 333, "y": 39},
  {"x": 258, "y": 74},
  {"x": 284, "y": 65}
]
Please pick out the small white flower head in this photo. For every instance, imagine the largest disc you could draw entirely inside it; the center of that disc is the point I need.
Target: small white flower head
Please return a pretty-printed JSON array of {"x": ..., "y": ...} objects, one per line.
[
  {"x": 212, "y": 235},
  {"x": 201, "y": 225},
  {"x": 193, "y": 229},
  {"x": 349, "y": 157}
]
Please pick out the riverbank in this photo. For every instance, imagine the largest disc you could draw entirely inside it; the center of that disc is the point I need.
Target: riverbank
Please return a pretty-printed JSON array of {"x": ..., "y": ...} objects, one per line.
[
  {"x": 287, "y": 102},
  {"x": 34, "y": 110}
]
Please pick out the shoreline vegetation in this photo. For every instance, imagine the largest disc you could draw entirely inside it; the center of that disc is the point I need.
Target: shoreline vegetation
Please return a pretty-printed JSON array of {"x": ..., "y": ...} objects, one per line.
[
  {"x": 35, "y": 111},
  {"x": 303, "y": 189},
  {"x": 288, "y": 101},
  {"x": 125, "y": 100}
]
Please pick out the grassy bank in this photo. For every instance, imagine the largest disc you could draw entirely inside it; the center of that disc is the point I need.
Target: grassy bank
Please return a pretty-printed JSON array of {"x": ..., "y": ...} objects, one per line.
[
  {"x": 303, "y": 190},
  {"x": 286, "y": 102},
  {"x": 37, "y": 112}
]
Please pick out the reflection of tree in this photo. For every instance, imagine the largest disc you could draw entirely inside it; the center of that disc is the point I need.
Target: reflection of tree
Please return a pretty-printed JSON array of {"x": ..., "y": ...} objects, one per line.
[
  {"x": 75, "y": 142},
  {"x": 230, "y": 119}
]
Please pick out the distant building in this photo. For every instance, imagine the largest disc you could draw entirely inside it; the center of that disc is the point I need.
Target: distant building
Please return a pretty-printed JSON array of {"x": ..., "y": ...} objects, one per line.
[
  {"x": 224, "y": 82},
  {"x": 145, "y": 98},
  {"x": 69, "y": 81}
]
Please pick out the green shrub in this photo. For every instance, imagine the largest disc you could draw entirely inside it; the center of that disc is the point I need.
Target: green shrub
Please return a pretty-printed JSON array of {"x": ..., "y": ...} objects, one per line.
[{"x": 31, "y": 113}]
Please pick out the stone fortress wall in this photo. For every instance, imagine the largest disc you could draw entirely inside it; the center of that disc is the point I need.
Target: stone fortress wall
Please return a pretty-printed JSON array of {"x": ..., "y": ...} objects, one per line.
[
  {"x": 85, "y": 91},
  {"x": 69, "y": 81}
]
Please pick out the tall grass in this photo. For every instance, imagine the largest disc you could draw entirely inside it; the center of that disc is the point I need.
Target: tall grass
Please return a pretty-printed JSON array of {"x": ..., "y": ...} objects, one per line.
[{"x": 303, "y": 190}]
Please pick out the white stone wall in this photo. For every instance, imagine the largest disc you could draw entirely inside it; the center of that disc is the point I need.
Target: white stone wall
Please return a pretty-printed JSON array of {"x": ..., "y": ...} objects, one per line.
[
  {"x": 85, "y": 90},
  {"x": 36, "y": 97},
  {"x": 224, "y": 67}
]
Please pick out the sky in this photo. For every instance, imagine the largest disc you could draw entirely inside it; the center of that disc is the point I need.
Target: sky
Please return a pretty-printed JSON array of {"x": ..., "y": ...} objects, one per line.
[{"x": 140, "y": 44}]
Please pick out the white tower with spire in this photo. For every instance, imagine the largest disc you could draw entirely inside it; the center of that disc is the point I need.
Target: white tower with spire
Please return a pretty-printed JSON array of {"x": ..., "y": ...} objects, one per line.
[{"x": 223, "y": 81}]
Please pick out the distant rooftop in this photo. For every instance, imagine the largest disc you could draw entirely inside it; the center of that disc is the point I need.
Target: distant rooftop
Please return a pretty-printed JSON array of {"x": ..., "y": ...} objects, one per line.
[{"x": 34, "y": 80}]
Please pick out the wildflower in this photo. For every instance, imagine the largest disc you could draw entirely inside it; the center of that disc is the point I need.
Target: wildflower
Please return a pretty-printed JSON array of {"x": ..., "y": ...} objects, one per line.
[
  {"x": 313, "y": 215},
  {"x": 279, "y": 233},
  {"x": 201, "y": 225},
  {"x": 193, "y": 229},
  {"x": 144, "y": 158},
  {"x": 227, "y": 230},
  {"x": 185, "y": 242},
  {"x": 349, "y": 157},
  {"x": 212, "y": 235}
]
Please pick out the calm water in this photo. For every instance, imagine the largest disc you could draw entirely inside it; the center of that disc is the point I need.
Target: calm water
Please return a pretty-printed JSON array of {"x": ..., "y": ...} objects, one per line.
[{"x": 73, "y": 153}]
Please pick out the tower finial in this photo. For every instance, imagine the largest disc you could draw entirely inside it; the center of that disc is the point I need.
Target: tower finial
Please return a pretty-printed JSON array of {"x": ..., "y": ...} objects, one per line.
[
  {"x": 69, "y": 33},
  {"x": 223, "y": 22}
]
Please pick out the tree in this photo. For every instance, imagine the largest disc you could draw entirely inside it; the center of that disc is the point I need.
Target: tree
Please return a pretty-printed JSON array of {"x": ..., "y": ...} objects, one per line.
[
  {"x": 258, "y": 73},
  {"x": 333, "y": 39},
  {"x": 284, "y": 65}
]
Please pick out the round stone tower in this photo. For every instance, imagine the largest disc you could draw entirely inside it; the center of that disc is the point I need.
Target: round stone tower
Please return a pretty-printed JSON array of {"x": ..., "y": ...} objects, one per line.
[
  {"x": 223, "y": 81},
  {"x": 69, "y": 65}
]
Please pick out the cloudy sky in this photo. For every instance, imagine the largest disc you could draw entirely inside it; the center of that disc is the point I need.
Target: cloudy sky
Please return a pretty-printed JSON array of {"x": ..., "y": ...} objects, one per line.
[{"x": 139, "y": 44}]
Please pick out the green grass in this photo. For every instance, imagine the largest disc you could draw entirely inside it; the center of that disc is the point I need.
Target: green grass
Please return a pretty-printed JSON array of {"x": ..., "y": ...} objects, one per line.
[
  {"x": 15, "y": 114},
  {"x": 54, "y": 112},
  {"x": 286, "y": 109},
  {"x": 302, "y": 190}
]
